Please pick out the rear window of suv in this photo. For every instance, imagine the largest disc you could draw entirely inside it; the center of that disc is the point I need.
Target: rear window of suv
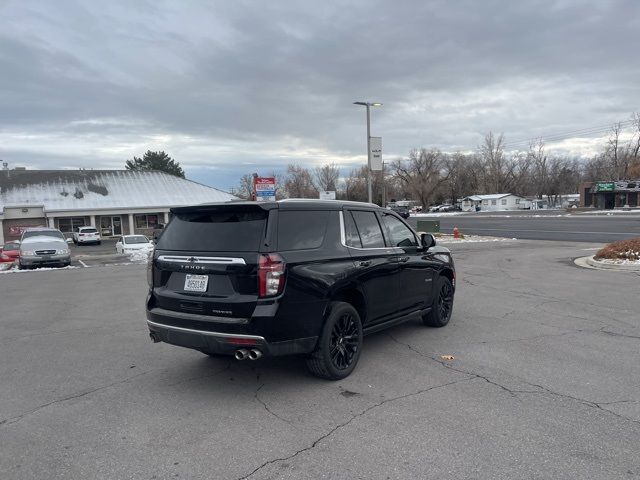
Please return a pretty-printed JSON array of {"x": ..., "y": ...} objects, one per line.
[
  {"x": 301, "y": 230},
  {"x": 223, "y": 230}
]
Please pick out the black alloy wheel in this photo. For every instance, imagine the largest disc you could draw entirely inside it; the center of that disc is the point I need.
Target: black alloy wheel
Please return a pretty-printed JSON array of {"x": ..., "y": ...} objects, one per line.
[
  {"x": 344, "y": 341},
  {"x": 445, "y": 301},
  {"x": 442, "y": 305},
  {"x": 339, "y": 345}
]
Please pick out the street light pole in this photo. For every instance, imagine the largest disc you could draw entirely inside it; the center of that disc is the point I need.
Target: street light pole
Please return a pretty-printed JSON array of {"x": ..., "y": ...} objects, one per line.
[{"x": 369, "y": 172}]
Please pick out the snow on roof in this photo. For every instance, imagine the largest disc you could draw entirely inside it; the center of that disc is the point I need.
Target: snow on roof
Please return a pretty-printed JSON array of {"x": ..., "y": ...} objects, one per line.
[
  {"x": 493, "y": 196},
  {"x": 68, "y": 190}
]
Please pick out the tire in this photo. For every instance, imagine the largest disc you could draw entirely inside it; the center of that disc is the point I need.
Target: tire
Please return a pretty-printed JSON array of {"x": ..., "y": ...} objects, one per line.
[
  {"x": 442, "y": 305},
  {"x": 99, "y": 243},
  {"x": 343, "y": 323}
]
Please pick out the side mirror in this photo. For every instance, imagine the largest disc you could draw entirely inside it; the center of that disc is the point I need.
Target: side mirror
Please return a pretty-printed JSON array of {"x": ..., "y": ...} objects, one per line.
[{"x": 427, "y": 240}]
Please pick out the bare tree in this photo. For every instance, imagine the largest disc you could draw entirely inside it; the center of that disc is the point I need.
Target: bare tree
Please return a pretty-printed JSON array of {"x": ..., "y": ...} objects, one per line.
[
  {"x": 634, "y": 148},
  {"x": 496, "y": 167},
  {"x": 356, "y": 186},
  {"x": 245, "y": 187},
  {"x": 298, "y": 183},
  {"x": 612, "y": 153},
  {"x": 540, "y": 174},
  {"x": 423, "y": 173},
  {"x": 326, "y": 177}
]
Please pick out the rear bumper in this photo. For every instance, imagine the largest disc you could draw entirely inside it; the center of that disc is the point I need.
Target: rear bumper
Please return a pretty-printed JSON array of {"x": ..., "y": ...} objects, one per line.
[
  {"x": 227, "y": 343},
  {"x": 88, "y": 240}
]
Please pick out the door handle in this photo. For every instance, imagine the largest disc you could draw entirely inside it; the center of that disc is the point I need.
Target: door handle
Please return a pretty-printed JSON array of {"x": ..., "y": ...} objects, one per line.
[
  {"x": 403, "y": 259},
  {"x": 364, "y": 263}
]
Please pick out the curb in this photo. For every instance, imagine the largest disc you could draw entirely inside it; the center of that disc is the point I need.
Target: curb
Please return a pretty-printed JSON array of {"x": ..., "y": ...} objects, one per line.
[{"x": 589, "y": 262}]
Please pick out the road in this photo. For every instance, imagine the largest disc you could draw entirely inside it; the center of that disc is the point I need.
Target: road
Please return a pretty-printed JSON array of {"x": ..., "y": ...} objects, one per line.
[
  {"x": 558, "y": 226},
  {"x": 543, "y": 384}
]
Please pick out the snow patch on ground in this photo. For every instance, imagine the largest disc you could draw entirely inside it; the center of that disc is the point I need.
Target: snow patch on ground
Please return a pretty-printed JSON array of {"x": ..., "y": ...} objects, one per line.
[
  {"x": 14, "y": 269},
  {"x": 140, "y": 256},
  {"x": 607, "y": 212},
  {"x": 472, "y": 239},
  {"x": 437, "y": 214},
  {"x": 618, "y": 261}
]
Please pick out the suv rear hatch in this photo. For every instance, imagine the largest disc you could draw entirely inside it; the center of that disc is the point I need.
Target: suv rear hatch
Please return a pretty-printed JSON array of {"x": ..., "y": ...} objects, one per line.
[{"x": 206, "y": 262}]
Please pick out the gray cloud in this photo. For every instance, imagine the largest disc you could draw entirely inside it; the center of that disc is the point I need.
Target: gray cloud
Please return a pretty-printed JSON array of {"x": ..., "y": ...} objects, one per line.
[{"x": 231, "y": 84}]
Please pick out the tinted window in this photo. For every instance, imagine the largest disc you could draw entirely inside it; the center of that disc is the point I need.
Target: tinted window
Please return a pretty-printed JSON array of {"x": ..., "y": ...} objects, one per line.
[
  {"x": 301, "y": 230},
  {"x": 88, "y": 230},
  {"x": 401, "y": 235},
  {"x": 224, "y": 230},
  {"x": 351, "y": 232},
  {"x": 10, "y": 247},
  {"x": 369, "y": 229}
]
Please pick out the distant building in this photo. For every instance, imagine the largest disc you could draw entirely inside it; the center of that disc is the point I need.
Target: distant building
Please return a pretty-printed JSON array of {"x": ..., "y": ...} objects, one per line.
[
  {"x": 607, "y": 195},
  {"x": 117, "y": 202},
  {"x": 492, "y": 203}
]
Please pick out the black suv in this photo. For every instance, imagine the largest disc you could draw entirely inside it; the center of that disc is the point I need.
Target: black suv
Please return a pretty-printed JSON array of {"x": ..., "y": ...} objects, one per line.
[{"x": 304, "y": 277}]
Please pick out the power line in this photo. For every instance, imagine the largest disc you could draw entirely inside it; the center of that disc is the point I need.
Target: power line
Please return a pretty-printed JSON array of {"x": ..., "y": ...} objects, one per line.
[{"x": 569, "y": 134}]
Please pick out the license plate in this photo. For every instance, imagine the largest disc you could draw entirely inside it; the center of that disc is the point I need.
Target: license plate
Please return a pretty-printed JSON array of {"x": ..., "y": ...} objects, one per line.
[{"x": 196, "y": 283}]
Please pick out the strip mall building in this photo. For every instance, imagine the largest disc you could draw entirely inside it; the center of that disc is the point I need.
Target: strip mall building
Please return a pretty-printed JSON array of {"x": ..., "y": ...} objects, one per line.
[
  {"x": 117, "y": 202},
  {"x": 609, "y": 195}
]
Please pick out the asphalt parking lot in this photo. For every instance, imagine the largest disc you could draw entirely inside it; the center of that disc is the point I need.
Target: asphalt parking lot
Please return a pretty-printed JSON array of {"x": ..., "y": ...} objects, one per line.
[
  {"x": 93, "y": 255},
  {"x": 544, "y": 383}
]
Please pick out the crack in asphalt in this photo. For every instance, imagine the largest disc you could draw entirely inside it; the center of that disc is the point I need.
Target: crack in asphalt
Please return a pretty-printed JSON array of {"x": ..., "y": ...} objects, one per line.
[
  {"x": 17, "y": 418},
  {"x": 256, "y": 395},
  {"x": 514, "y": 393},
  {"x": 589, "y": 403},
  {"x": 451, "y": 367},
  {"x": 615, "y": 334},
  {"x": 344, "y": 424}
]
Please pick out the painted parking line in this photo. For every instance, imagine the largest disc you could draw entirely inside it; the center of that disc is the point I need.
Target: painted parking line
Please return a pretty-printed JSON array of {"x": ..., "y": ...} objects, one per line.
[{"x": 83, "y": 264}]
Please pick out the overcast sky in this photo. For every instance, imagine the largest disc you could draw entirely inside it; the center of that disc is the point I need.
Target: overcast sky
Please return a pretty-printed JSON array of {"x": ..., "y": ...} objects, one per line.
[{"x": 234, "y": 87}]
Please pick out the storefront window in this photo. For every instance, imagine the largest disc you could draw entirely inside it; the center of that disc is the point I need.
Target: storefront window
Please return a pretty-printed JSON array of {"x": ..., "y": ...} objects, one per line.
[
  {"x": 67, "y": 224},
  {"x": 146, "y": 221}
]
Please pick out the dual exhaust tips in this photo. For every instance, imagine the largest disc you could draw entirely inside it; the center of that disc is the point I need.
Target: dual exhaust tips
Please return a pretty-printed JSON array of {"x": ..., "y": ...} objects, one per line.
[
  {"x": 243, "y": 354},
  {"x": 240, "y": 354}
]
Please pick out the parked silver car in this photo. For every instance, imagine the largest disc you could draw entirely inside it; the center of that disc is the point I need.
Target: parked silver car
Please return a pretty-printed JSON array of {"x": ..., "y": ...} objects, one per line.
[{"x": 41, "y": 247}]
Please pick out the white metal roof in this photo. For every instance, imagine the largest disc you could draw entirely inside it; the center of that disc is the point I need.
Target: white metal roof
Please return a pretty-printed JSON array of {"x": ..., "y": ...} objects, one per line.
[
  {"x": 493, "y": 196},
  {"x": 68, "y": 190}
]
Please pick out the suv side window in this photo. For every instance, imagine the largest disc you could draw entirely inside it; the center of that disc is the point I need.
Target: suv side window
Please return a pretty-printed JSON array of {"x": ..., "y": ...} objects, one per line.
[
  {"x": 351, "y": 232},
  {"x": 301, "y": 230},
  {"x": 400, "y": 234},
  {"x": 369, "y": 229}
]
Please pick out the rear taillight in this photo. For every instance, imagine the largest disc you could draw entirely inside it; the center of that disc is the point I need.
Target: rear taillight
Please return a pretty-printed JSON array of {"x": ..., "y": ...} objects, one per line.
[
  {"x": 270, "y": 275},
  {"x": 150, "y": 271}
]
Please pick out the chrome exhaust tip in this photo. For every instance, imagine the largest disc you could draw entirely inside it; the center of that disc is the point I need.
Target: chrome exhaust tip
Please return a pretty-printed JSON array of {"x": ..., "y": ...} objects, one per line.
[
  {"x": 254, "y": 354},
  {"x": 241, "y": 354}
]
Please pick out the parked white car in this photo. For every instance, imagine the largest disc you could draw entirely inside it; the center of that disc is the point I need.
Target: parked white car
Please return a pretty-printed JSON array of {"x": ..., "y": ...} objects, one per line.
[
  {"x": 86, "y": 235},
  {"x": 133, "y": 243}
]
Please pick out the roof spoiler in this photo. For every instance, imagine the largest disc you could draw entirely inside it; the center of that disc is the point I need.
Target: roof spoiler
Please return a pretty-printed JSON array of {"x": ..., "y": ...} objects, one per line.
[{"x": 237, "y": 206}]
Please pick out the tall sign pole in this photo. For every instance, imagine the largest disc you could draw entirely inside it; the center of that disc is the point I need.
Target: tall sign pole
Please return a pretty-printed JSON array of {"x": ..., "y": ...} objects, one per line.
[
  {"x": 369, "y": 172},
  {"x": 377, "y": 149}
]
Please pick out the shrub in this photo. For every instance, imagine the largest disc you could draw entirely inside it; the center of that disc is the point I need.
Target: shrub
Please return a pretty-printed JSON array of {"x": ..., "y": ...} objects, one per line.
[{"x": 622, "y": 250}]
